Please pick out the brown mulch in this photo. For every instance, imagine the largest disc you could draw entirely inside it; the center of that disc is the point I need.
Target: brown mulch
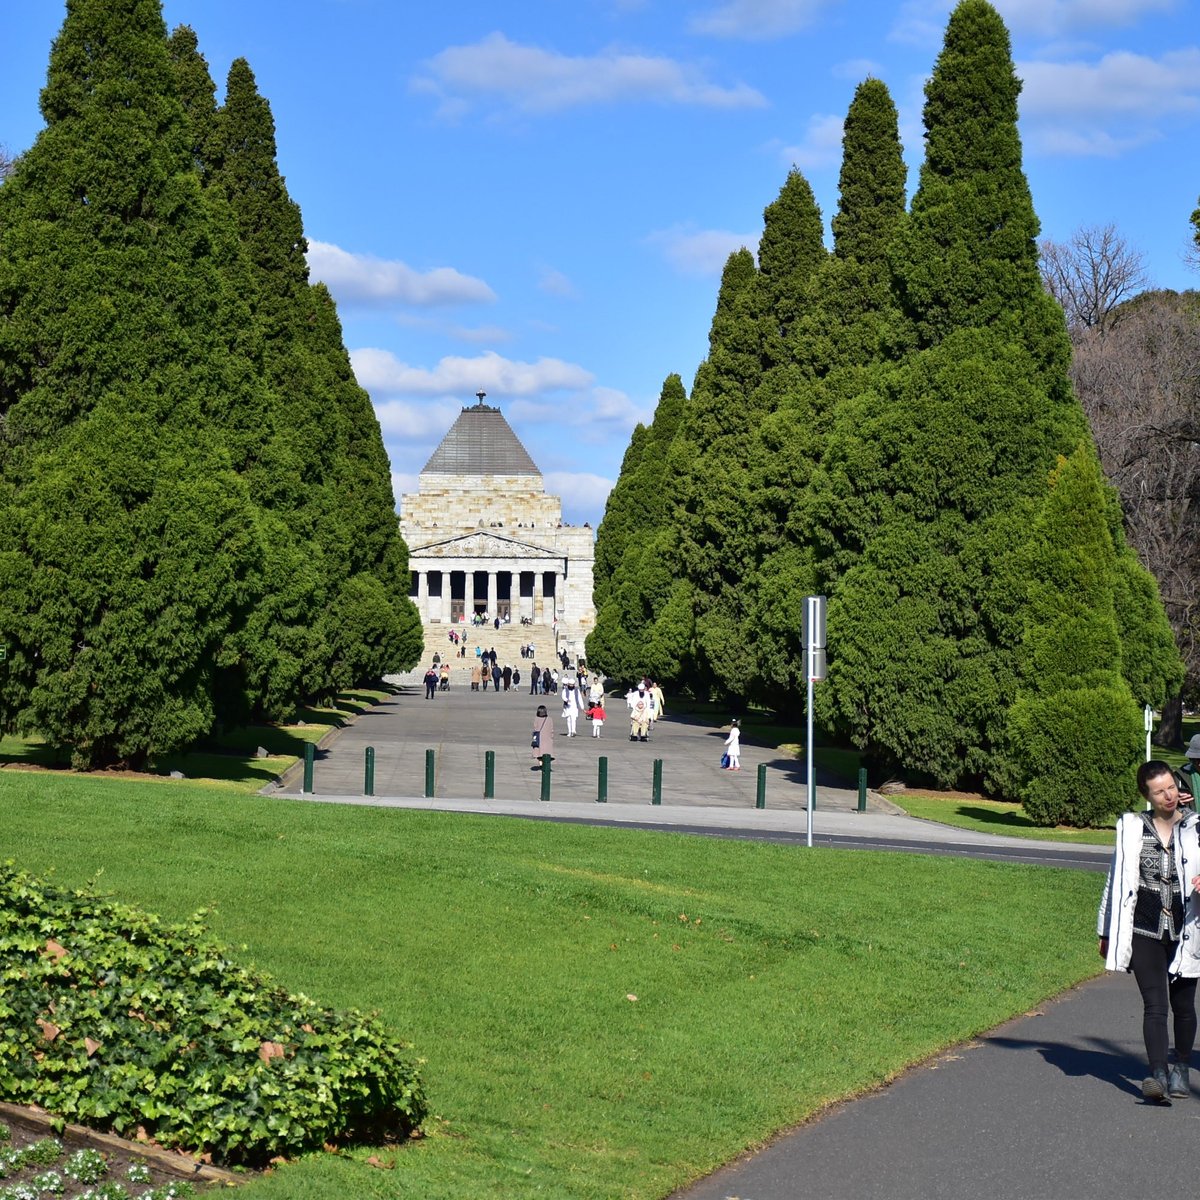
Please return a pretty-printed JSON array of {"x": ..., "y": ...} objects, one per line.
[{"x": 28, "y": 1125}]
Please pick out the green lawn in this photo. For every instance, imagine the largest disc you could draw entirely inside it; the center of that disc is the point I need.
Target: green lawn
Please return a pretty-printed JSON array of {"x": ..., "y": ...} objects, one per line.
[
  {"x": 603, "y": 1012},
  {"x": 992, "y": 816}
]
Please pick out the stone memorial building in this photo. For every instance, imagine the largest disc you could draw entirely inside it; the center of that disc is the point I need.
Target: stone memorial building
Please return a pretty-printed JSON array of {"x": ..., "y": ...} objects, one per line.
[{"x": 484, "y": 537}]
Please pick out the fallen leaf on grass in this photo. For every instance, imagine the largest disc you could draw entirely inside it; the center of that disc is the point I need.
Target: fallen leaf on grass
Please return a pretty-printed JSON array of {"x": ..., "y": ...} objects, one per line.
[
  {"x": 630, "y": 996},
  {"x": 376, "y": 1161}
]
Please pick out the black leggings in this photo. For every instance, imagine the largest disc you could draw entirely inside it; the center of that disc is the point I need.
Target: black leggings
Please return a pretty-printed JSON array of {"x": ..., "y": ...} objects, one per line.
[{"x": 1150, "y": 962}]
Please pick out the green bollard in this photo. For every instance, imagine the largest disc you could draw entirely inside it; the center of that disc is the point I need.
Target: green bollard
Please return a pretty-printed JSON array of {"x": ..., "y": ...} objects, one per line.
[
  {"x": 656, "y": 795},
  {"x": 602, "y": 781},
  {"x": 489, "y": 775},
  {"x": 309, "y": 754},
  {"x": 429, "y": 762},
  {"x": 369, "y": 772},
  {"x": 760, "y": 800},
  {"x": 545, "y": 777},
  {"x": 862, "y": 789}
]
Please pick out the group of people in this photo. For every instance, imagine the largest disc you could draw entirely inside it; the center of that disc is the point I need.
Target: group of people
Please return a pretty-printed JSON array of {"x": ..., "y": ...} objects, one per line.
[
  {"x": 646, "y": 705},
  {"x": 1149, "y": 918},
  {"x": 487, "y": 669}
]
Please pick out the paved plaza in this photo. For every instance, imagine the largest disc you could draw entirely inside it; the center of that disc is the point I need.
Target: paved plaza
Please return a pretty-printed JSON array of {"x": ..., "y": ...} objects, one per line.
[{"x": 460, "y": 726}]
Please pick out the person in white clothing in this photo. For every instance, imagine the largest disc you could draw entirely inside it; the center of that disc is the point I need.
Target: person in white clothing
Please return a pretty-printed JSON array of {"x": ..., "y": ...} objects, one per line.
[
  {"x": 570, "y": 709},
  {"x": 733, "y": 747},
  {"x": 1149, "y": 924}
]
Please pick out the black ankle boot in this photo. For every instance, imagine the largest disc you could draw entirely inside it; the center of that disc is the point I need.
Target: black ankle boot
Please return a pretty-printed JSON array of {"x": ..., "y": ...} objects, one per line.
[
  {"x": 1154, "y": 1086},
  {"x": 1177, "y": 1082}
]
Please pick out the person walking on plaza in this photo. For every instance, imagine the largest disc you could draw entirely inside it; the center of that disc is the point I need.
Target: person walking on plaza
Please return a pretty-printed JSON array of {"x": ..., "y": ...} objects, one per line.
[
  {"x": 535, "y": 680},
  {"x": 596, "y": 712},
  {"x": 1148, "y": 923},
  {"x": 733, "y": 747},
  {"x": 476, "y": 675},
  {"x": 639, "y": 716},
  {"x": 570, "y": 707},
  {"x": 506, "y": 675},
  {"x": 546, "y": 689},
  {"x": 542, "y": 741},
  {"x": 444, "y": 677},
  {"x": 496, "y": 673}
]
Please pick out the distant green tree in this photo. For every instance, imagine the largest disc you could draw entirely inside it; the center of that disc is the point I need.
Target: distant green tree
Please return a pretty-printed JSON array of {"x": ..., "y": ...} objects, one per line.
[
  {"x": 612, "y": 535},
  {"x": 631, "y": 594},
  {"x": 130, "y": 553},
  {"x": 850, "y": 324}
]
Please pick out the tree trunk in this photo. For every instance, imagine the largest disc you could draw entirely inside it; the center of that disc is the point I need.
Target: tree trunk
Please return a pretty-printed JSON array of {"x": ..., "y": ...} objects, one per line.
[{"x": 1170, "y": 729}]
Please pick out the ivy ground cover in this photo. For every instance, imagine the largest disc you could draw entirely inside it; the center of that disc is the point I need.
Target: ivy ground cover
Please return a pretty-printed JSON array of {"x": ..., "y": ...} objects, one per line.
[{"x": 602, "y": 1012}]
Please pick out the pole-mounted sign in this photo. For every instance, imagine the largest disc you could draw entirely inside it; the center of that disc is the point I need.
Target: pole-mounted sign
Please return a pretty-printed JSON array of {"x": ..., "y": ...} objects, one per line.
[{"x": 812, "y": 638}]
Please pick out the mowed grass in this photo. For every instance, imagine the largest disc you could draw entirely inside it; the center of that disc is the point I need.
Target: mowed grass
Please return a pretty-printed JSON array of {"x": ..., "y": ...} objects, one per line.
[
  {"x": 993, "y": 816},
  {"x": 602, "y": 1012}
]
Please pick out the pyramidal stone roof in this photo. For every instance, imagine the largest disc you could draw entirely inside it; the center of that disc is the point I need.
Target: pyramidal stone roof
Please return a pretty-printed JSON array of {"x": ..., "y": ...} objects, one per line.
[{"x": 480, "y": 442}]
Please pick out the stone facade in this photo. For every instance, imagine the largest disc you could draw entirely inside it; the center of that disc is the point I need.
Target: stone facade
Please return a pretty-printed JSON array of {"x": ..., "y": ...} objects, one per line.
[{"x": 484, "y": 537}]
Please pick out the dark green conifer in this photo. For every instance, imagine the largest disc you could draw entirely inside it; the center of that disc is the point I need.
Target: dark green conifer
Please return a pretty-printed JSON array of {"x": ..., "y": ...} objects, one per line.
[{"x": 129, "y": 551}]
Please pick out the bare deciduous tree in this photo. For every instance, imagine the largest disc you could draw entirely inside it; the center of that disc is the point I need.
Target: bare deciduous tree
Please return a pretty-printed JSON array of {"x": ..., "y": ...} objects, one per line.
[
  {"x": 6, "y": 163},
  {"x": 1092, "y": 275},
  {"x": 1138, "y": 378}
]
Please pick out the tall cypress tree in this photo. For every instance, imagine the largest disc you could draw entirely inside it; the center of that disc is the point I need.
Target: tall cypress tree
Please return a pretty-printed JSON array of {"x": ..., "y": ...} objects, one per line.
[
  {"x": 341, "y": 613},
  {"x": 129, "y": 554},
  {"x": 631, "y": 594}
]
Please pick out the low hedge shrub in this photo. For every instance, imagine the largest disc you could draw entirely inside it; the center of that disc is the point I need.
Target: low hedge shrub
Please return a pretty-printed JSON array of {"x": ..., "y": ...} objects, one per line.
[{"x": 113, "y": 1018}]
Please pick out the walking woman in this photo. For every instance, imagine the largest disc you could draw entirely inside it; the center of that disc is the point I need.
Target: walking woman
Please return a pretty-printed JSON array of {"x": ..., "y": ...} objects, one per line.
[
  {"x": 542, "y": 741},
  {"x": 1148, "y": 923}
]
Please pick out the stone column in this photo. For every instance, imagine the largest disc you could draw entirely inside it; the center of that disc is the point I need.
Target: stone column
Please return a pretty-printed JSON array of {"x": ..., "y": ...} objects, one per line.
[
  {"x": 539, "y": 597},
  {"x": 447, "y": 589},
  {"x": 423, "y": 595},
  {"x": 491, "y": 594},
  {"x": 469, "y": 593},
  {"x": 560, "y": 594}
]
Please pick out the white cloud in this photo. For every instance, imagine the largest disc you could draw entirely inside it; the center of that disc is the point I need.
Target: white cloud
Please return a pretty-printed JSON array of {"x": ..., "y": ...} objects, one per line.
[
  {"x": 364, "y": 279},
  {"x": 923, "y": 22},
  {"x": 821, "y": 147},
  {"x": 1105, "y": 108},
  {"x": 757, "y": 20},
  {"x": 416, "y": 421},
  {"x": 1119, "y": 84},
  {"x": 555, "y": 283},
  {"x": 1050, "y": 18},
  {"x": 381, "y": 372},
  {"x": 535, "y": 81},
  {"x": 580, "y": 492},
  {"x": 700, "y": 252},
  {"x": 475, "y": 334}
]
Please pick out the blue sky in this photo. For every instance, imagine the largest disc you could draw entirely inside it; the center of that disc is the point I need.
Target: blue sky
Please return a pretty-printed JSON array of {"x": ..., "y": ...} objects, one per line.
[{"x": 535, "y": 199}]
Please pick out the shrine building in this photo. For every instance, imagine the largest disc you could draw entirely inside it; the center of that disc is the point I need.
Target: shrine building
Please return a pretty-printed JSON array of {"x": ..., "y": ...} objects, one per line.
[{"x": 485, "y": 538}]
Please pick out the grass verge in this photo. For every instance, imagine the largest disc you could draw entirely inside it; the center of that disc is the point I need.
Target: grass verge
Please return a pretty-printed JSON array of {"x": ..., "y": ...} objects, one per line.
[
  {"x": 603, "y": 1012},
  {"x": 992, "y": 816}
]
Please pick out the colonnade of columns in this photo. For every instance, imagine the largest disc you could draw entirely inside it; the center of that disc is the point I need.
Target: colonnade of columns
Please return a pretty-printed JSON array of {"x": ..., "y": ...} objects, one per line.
[{"x": 445, "y": 601}]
